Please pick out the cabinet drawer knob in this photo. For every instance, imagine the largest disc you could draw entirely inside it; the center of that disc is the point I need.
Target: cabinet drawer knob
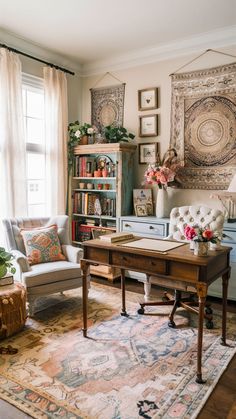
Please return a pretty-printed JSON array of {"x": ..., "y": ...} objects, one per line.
[
  {"x": 127, "y": 225},
  {"x": 151, "y": 228}
]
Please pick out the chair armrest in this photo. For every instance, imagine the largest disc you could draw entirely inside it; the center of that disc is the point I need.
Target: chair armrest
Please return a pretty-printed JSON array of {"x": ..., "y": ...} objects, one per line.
[
  {"x": 21, "y": 260},
  {"x": 72, "y": 253}
]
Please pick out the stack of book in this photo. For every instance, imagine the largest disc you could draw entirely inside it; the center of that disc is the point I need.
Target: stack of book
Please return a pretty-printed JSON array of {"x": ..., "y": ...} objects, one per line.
[{"x": 116, "y": 237}]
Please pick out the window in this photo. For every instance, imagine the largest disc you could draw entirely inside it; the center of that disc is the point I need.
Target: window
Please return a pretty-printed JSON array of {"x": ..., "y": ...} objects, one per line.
[{"x": 33, "y": 110}]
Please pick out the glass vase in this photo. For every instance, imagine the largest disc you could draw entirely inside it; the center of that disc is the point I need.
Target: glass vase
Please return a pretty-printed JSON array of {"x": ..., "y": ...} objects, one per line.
[
  {"x": 192, "y": 244},
  {"x": 201, "y": 248}
]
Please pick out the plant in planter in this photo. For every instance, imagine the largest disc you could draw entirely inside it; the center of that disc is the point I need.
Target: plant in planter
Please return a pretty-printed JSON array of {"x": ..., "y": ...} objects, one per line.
[
  {"x": 76, "y": 132},
  {"x": 6, "y": 265},
  {"x": 116, "y": 134}
]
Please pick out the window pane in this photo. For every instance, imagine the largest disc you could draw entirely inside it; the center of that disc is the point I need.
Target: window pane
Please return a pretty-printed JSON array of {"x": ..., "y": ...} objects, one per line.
[
  {"x": 24, "y": 100},
  {"x": 35, "y": 104},
  {"x": 35, "y": 131},
  {"x": 35, "y": 166},
  {"x": 36, "y": 192},
  {"x": 36, "y": 210}
]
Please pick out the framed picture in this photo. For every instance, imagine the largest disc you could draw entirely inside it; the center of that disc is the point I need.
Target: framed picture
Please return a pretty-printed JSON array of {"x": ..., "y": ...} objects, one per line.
[
  {"x": 143, "y": 203},
  {"x": 148, "y": 126},
  {"x": 147, "y": 153},
  {"x": 147, "y": 99}
]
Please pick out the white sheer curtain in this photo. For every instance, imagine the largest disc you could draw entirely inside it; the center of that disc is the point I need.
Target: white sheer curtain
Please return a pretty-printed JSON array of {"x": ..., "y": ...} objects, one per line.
[
  {"x": 12, "y": 143},
  {"x": 56, "y": 122}
]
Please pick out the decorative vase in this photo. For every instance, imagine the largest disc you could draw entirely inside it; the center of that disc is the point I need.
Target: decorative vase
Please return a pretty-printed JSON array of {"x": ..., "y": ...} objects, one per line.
[
  {"x": 201, "y": 248},
  {"x": 162, "y": 204}
]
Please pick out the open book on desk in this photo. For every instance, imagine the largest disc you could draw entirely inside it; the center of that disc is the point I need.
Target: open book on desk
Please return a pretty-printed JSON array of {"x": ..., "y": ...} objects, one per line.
[{"x": 116, "y": 237}]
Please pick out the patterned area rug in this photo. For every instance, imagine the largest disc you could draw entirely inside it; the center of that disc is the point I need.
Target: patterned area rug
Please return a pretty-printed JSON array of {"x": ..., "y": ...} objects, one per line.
[{"x": 129, "y": 368}]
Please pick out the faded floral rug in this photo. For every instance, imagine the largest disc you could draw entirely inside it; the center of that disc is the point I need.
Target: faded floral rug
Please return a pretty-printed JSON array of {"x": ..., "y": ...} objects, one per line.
[{"x": 128, "y": 368}]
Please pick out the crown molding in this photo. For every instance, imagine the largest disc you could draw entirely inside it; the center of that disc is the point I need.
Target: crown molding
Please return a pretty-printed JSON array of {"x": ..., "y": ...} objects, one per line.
[
  {"x": 14, "y": 41},
  {"x": 215, "y": 39}
]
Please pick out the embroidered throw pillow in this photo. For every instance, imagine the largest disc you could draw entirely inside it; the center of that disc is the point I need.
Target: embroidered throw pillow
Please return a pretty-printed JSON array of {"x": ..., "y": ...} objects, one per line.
[{"x": 42, "y": 245}]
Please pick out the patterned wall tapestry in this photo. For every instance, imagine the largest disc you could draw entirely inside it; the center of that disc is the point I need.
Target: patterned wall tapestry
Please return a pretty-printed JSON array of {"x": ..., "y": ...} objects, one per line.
[
  {"x": 107, "y": 106},
  {"x": 203, "y": 126}
]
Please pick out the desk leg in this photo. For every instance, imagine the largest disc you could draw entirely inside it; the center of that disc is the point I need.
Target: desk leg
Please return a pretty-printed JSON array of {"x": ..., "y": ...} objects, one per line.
[
  {"x": 123, "y": 312},
  {"x": 225, "y": 280},
  {"x": 202, "y": 293},
  {"x": 85, "y": 267}
]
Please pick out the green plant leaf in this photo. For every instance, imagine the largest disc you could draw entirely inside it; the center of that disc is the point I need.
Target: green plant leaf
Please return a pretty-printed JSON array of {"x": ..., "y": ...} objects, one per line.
[{"x": 3, "y": 270}]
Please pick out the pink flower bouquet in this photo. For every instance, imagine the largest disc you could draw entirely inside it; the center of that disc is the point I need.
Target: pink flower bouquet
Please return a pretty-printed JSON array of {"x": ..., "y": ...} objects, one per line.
[
  {"x": 165, "y": 173},
  {"x": 200, "y": 234}
]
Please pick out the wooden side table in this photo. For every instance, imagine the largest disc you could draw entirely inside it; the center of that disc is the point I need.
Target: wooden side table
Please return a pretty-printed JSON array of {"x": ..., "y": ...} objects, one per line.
[{"x": 12, "y": 309}]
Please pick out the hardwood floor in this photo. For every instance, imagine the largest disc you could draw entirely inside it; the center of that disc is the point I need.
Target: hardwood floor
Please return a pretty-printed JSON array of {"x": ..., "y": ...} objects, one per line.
[{"x": 221, "y": 403}]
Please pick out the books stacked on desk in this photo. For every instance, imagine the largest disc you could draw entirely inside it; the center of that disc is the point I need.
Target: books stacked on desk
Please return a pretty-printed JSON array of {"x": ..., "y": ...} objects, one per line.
[
  {"x": 6, "y": 280},
  {"x": 116, "y": 237}
]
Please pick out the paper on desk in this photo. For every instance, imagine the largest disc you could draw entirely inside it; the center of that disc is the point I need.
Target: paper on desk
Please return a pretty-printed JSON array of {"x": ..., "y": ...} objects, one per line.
[{"x": 152, "y": 244}]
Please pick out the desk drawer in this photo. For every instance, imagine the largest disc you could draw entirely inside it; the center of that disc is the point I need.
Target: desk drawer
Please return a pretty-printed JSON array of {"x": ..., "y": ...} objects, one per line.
[
  {"x": 137, "y": 263},
  {"x": 157, "y": 230}
]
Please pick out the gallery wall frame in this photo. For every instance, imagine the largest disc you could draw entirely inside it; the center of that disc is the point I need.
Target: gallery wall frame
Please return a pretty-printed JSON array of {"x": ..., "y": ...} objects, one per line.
[
  {"x": 148, "y": 125},
  {"x": 148, "y": 99},
  {"x": 148, "y": 153}
]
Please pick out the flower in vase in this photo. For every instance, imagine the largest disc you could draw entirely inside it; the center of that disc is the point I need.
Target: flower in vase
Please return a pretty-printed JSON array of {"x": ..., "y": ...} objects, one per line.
[
  {"x": 201, "y": 234},
  {"x": 164, "y": 173}
]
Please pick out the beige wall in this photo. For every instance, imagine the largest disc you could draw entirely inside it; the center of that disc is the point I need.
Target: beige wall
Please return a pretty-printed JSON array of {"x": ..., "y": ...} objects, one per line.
[{"x": 150, "y": 75}]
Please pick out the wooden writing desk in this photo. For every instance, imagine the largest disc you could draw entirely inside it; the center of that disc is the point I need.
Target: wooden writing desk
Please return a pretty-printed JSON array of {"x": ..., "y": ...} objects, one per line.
[{"x": 179, "y": 266}]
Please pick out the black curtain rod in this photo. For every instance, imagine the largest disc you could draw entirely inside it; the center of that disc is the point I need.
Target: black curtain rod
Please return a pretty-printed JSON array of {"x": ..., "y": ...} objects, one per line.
[{"x": 37, "y": 59}]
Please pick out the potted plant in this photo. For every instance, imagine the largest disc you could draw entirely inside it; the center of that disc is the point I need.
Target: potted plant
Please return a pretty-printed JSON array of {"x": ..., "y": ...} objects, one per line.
[
  {"x": 116, "y": 134},
  {"x": 5, "y": 263}
]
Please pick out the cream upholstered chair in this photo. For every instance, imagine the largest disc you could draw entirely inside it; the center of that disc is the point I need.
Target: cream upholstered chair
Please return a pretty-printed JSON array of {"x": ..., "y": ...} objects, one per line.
[
  {"x": 49, "y": 277},
  {"x": 180, "y": 217}
]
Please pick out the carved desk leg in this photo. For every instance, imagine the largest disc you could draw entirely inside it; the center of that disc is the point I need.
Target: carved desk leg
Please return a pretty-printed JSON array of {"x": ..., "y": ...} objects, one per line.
[
  {"x": 225, "y": 280},
  {"x": 123, "y": 311},
  {"x": 202, "y": 293},
  {"x": 86, "y": 272}
]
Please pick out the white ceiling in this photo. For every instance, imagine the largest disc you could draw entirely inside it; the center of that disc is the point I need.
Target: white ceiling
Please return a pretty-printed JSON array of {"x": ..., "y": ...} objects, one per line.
[{"x": 89, "y": 31}]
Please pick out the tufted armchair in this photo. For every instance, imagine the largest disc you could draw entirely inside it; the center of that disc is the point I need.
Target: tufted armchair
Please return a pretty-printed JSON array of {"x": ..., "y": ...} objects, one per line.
[
  {"x": 44, "y": 278},
  {"x": 180, "y": 217}
]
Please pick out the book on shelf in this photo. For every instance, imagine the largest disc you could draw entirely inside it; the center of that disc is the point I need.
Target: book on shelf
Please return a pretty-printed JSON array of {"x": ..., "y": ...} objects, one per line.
[
  {"x": 7, "y": 280},
  {"x": 84, "y": 165},
  {"x": 116, "y": 237}
]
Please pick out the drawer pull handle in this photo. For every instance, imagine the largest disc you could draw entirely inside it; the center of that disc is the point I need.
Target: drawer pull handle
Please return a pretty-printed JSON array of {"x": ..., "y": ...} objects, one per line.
[
  {"x": 151, "y": 228},
  {"x": 127, "y": 225},
  {"x": 124, "y": 258}
]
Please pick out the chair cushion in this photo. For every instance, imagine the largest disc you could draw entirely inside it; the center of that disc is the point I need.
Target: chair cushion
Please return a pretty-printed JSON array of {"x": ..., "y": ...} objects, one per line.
[
  {"x": 46, "y": 273},
  {"x": 42, "y": 245}
]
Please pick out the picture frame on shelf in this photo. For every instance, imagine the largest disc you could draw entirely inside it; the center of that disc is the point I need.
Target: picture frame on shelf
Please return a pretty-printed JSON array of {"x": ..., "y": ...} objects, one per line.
[
  {"x": 148, "y": 99},
  {"x": 143, "y": 202},
  {"x": 148, "y": 153},
  {"x": 148, "y": 125}
]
